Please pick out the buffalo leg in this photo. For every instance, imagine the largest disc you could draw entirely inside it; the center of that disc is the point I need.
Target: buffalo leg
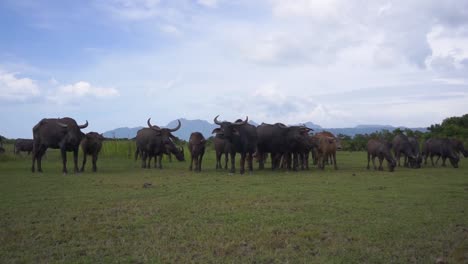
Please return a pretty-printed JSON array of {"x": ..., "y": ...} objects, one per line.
[
  {"x": 373, "y": 162},
  {"x": 380, "y": 163},
  {"x": 250, "y": 161},
  {"x": 218, "y": 160},
  {"x": 443, "y": 161},
  {"x": 63, "y": 152},
  {"x": 261, "y": 161},
  {"x": 432, "y": 159},
  {"x": 233, "y": 160},
  {"x": 159, "y": 157},
  {"x": 75, "y": 160},
  {"x": 242, "y": 163},
  {"x": 226, "y": 160},
  {"x": 200, "y": 159},
  {"x": 84, "y": 162},
  {"x": 144, "y": 156},
  {"x": 95, "y": 157},
  {"x": 333, "y": 156}
]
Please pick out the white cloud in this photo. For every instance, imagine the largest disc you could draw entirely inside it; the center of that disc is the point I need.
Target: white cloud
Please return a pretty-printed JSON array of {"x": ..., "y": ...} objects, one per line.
[
  {"x": 80, "y": 90},
  {"x": 133, "y": 9},
  {"x": 13, "y": 88},
  {"x": 208, "y": 3},
  {"x": 171, "y": 30}
]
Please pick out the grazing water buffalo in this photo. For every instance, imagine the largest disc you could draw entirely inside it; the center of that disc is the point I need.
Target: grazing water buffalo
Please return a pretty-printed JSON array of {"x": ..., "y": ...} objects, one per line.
[
  {"x": 380, "y": 149},
  {"x": 91, "y": 145},
  {"x": 154, "y": 142},
  {"x": 243, "y": 139},
  {"x": 22, "y": 144},
  {"x": 416, "y": 163},
  {"x": 441, "y": 147},
  {"x": 458, "y": 147},
  {"x": 402, "y": 146},
  {"x": 222, "y": 146},
  {"x": 56, "y": 133},
  {"x": 197, "y": 149}
]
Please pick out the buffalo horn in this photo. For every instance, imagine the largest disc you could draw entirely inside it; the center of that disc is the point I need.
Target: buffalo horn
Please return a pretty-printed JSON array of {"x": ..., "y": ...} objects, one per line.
[
  {"x": 243, "y": 122},
  {"x": 85, "y": 125},
  {"x": 177, "y": 127},
  {"x": 151, "y": 126},
  {"x": 216, "y": 120}
]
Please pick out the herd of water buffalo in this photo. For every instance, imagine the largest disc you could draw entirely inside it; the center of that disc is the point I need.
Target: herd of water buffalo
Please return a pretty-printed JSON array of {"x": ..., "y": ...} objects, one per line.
[{"x": 288, "y": 146}]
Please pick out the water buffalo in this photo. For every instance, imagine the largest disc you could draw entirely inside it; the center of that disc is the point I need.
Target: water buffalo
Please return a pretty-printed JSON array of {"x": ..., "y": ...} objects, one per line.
[
  {"x": 380, "y": 149},
  {"x": 441, "y": 147},
  {"x": 197, "y": 149},
  {"x": 154, "y": 142},
  {"x": 285, "y": 142},
  {"x": 243, "y": 139},
  {"x": 458, "y": 147},
  {"x": 402, "y": 146},
  {"x": 326, "y": 148},
  {"x": 91, "y": 145},
  {"x": 416, "y": 163},
  {"x": 56, "y": 133},
  {"x": 314, "y": 139},
  {"x": 222, "y": 146},
  {"x": 22, "y": 144}
]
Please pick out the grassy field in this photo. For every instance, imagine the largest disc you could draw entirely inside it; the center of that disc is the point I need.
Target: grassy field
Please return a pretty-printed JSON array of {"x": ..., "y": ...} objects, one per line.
[{"x": 351, "y": 215}]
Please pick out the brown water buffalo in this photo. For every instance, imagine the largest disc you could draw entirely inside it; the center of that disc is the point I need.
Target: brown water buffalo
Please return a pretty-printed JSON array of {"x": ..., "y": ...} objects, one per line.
[
  {"x": 23, "y": 144},
  {"x": 56, "y": 133},
  {"x": 91, "y": 145},
  {"x": 222, "y": 147},
  {"x": 326, "y": 148},
  {"x": 380, "y": 149},
  {"x": 315, "y": 143},
  {"x": 197, "y": 150},
  {"x": 441, "y": 147},
  {"x": 243, "y": 139}
]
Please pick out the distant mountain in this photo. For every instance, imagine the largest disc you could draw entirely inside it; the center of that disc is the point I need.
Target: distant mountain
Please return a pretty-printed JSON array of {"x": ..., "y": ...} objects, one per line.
[
  {"x": 205, "y": 127},
  {"x": 122, "y": 132}
]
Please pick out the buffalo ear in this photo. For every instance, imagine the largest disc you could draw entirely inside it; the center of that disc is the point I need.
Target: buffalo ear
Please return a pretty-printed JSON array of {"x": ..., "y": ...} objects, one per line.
[
  {"x": 216, "y": 130},
  {"x": 235, "y": 131}
]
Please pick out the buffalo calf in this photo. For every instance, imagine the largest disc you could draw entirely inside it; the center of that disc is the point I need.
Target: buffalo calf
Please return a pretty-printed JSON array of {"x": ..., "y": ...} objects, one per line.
[
  {"x": 91, "y": 145},
  {"x": 197, "y": 150}
]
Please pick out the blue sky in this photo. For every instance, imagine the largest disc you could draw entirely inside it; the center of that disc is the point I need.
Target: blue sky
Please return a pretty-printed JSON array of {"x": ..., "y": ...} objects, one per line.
[{"x": 333, "y": 62}]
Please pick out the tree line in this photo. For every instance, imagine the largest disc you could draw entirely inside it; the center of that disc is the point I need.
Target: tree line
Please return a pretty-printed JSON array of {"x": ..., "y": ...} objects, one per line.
[{"x": 452, "y": 127}]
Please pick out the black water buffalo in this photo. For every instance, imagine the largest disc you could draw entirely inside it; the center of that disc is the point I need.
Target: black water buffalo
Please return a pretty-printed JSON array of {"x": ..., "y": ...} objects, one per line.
[
  {"x": 22, "y": 144},
  {"x": 402, "y": 146},
  {"x": 91, "y": 145},
  {"x": 196, "y": 147},
  {"x": 380, "y": 149},
  {"x": 416, "y": 163},
  {"x": 243, "y": 139},
  {"x": 154, "y": 142},
  {"x": 282, "y": 141},
  {"x": 57, "y": 133},
  {"x": 458, "y": 147},
  {"x": 221, "y": 146},
  {"x": 441, "y": 147}
]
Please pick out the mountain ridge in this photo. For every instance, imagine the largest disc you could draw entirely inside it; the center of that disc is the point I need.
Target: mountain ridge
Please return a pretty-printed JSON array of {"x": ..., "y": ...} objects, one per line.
[{"x": 205, "y": 127}]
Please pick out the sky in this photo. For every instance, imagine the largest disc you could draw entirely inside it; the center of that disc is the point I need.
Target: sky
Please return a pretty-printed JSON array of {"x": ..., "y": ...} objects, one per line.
[{"x": 336, "y": 63}]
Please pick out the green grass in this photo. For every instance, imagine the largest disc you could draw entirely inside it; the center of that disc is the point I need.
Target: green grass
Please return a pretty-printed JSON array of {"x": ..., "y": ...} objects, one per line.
[{"x": 347, "y": 216}]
